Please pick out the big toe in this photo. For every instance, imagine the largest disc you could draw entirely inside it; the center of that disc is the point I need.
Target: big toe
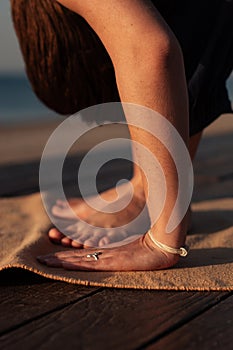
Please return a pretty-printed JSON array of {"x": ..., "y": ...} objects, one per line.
[{"x": 55, "y": 235}]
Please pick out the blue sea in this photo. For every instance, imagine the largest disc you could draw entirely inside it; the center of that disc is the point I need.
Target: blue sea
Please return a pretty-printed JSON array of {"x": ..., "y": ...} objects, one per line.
[{"x": 19, "y": 105}]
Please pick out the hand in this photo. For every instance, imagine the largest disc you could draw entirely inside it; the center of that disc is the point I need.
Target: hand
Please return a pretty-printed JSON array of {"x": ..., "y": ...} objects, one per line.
[{"x": 139, "y": 255}]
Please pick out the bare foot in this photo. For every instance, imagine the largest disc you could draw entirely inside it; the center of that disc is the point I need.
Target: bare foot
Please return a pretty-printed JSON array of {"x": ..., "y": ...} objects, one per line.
[
  {"x": 84, "y": 237},
  {"x": 139, "y": 255},
  {"x": 84, "y": 211},
  {"x": 81, "y": 235}
]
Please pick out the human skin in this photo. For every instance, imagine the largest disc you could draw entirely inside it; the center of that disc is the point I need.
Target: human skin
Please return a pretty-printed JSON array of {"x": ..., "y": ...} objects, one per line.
[
  {"x": 102, "y": 219},
  {"x": 138, "y": 40}
]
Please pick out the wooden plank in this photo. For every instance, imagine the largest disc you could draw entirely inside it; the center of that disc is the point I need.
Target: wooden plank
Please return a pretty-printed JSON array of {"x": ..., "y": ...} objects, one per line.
[
  {"x": 12, "y": 177},
  {"x": 111, "y": 319},
  {"x": 211, "y": 330},
  {"x": 25, "y": 296},
  {"x": 20, "y": 157},
  {"x": 24, "y": 143}
]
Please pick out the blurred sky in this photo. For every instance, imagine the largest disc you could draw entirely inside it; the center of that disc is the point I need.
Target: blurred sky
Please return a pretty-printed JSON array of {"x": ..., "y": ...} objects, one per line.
[{"x": 10, "y": 56}]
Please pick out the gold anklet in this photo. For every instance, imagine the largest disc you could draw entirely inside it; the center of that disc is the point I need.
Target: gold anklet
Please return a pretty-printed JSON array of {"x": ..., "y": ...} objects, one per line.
[{"x": 182, "y": 251}]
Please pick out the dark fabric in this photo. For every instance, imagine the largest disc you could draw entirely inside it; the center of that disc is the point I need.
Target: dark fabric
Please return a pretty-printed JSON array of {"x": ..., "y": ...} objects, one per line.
[
  {"x": 204, "y": 29},
  {"x": 70, "y": 69}
]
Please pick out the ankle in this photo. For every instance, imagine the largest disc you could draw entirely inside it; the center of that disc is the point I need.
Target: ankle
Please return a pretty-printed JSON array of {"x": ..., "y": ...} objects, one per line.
[
  {"x": 170, "y": 258},
  {"x": 181, "y": 251}
]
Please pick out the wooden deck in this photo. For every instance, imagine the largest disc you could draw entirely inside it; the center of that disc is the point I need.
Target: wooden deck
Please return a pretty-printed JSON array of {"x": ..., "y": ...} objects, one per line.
[{"x": 37, "y": 313}]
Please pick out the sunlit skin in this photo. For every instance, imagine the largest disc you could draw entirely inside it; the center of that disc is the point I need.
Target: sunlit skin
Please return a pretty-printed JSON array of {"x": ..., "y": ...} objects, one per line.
[
  {"x": 149, "y": 71},
  {"x": 101, "y": 219},
  {"x": 137, "y": 255}
]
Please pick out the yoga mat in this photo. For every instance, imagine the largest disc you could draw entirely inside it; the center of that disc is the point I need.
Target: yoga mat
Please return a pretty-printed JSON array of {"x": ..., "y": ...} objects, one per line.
[{"x": 209, "y": 266}]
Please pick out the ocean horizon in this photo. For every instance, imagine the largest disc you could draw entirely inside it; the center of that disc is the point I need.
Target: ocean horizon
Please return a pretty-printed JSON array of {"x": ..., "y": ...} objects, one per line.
[{"x": 19, "y": 104}]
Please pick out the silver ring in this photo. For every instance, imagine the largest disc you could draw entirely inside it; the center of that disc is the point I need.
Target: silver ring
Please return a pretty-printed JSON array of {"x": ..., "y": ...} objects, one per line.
[{"x": 94, "y": 255}]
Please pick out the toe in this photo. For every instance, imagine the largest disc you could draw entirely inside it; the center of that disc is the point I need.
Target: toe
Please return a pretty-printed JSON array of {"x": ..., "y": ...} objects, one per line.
[
  {"x": 66, "y": 242},
  {"x": 76, "y": 244},
  {"x": 104, "y": 241},
  {"x": 91, "y": 243},
  {"x": 55, "y": 235}
]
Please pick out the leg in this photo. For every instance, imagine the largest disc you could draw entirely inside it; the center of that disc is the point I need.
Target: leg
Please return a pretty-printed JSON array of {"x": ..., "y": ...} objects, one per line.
[
  {"x": 101, "y": 219},
  {"x": 159, "y": 84},
  {"x": 84, "y": 211},
  {"x": 112, "y": 220}
]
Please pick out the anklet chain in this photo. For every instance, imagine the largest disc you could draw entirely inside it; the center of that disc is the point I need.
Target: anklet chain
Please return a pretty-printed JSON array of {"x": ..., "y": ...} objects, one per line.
[{"x": 182, "y": 251}]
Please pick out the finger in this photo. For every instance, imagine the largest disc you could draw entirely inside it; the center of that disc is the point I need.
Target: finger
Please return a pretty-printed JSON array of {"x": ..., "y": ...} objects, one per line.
[
  {"x": 83, "y": 265},
  {"x": 53, "y": 263},
  {"x": 71, "y": 253},
  {"x": 56, "y": 261},
  {"x": 77, "y": 253}
]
